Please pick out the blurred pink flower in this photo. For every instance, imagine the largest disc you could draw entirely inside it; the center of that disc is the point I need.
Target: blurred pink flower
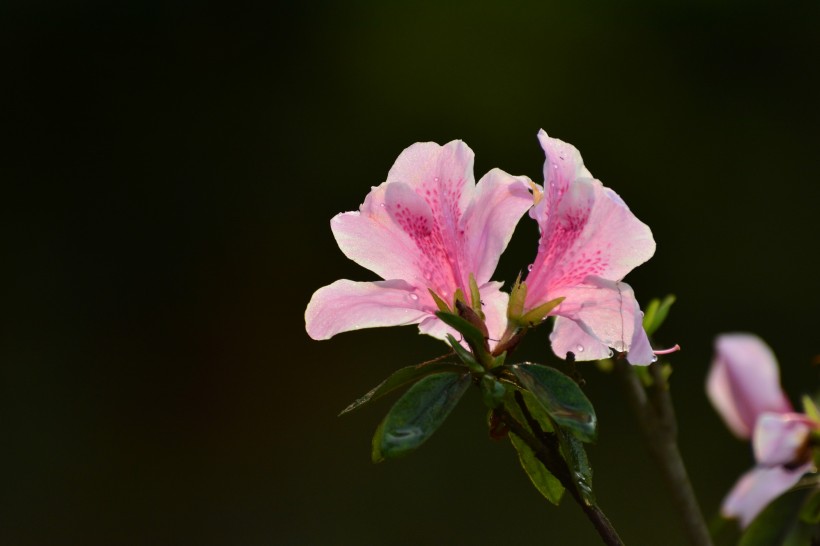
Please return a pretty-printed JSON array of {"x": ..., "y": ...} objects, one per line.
[
  {"x": 589, "y": 241},
  {"x": 429, "y": 226},
  {"x": 744, "y": 387}
]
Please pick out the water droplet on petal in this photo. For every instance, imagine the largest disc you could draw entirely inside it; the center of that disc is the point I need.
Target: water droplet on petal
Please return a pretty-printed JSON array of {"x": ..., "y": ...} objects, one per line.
[
  {"x": 428, "y": 276},
  {"x": 579, "y": 348},
  {"x": 436, "y": 179},
  {"x": 381, "y": 205},
  {"x": 611, "y": 353},
  {"x": 529, "y": 267},
  {"x": 414, "y": 297},
  {"x": 654, "y": 358}
]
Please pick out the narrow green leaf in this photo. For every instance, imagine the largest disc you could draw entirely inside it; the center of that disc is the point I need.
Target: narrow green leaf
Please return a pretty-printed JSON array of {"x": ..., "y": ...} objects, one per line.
[
  {"x": 560, "y": 397},
  {"x": 402, "y": 377},
  {"x": 418, "y": 414},
  {"x": 779, "y": 523},
  {"x": 546, "y": 484},
  {"x": 465, "y": 355},
  {"x": 470, "y": 332}
]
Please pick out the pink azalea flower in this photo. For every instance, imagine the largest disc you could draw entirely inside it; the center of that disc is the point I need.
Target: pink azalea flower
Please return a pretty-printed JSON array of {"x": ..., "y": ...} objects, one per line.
[
  {"x": 589, "y": 241},
  {"x": 428, "y": 227},
  {"x": 744, "y": 387}
]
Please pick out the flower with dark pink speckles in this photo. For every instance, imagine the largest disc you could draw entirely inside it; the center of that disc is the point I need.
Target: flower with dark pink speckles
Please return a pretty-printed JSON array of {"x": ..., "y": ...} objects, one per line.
[
  {"x": 428, "y": 227},
  {"x": 589, "y": 241}
]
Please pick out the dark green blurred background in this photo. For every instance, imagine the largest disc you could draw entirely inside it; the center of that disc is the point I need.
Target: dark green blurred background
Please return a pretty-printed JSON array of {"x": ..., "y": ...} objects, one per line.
[{"x": 170, "y": 171}]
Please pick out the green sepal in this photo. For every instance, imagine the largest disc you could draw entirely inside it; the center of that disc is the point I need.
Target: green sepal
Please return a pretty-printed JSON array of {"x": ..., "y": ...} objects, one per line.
[
  {"x": 459, "y": 296},
  {"x": 492, "y": 391},
  {"x": 536, "y": 316},
  {"x": 561, "y": 398},
  {"x": 475, "y": 297},
  {"x": 543, "y": 480},
  {"x": 656, "y": 313},
  {"x": 780, "y": 524},
  {"x": 440, "y": 303},
  {"x": 472, "y": 334},
  {"x": 465, "y": 355},
  {"x": 518, "y": 296},
  {"x": 418, "y": 414},
  {"x": 400, "y": 378}
]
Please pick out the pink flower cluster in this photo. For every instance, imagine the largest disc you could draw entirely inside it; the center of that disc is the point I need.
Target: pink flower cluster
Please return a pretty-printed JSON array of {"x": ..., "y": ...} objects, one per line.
[
  {"x": 430, "y": 227},
  {"x": 744, "y": 387}
]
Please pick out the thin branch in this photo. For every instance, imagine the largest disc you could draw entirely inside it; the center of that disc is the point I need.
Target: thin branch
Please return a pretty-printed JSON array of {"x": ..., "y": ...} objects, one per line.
[
  {"x": 552, "y": 460},
  {"x": 656, "y": 417}
]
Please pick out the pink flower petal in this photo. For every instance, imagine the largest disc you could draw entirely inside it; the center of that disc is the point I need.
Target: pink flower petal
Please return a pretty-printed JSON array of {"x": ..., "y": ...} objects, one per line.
[
  {"x": 780, "y": 438},
  {"x": 563, "y": 165},
  {"x": 347, "y": 305},
  {"x": 744, "y": 382},
  {"x": 589, "y": 231},
  {"x": 596, "y": 316},
  {"x": 757, "y": 488},
  {"x": 489, "y": 221}
]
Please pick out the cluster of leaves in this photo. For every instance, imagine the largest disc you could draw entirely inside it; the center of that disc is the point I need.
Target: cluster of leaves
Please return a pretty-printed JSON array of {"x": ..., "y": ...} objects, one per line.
[{"x": 545, "y": 414}]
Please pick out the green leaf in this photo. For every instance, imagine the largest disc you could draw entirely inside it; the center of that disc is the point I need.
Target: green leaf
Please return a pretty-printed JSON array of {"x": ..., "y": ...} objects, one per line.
[
  {"x": 402, "y": 377},
  {"x": 470, "y": 332},
  {"x": 547, "y": 484},
  {"x": 810, "y": 513},
  {"x": 779, "y": 523},
  {"x": 656, "y": 313},
  {"x": 576, "y": 457},
  {"x": 810, "y": 408},
  {"x": 418, "y": 414},
  {"x": 492, "y": 391},
  {"x": 560, "y": 397}
]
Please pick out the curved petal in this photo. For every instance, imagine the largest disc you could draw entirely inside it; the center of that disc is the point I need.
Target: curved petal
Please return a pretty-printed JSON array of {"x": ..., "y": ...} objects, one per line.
[
  {"x": 569, "y": 336},
  {"x": 590, "y": 231},
  {"x": 744, "y": 382},
  {"x": 563, "y": 164},
  {"x": 373, "y": 240},
  {"x": 444, "y": 174},
  {"x": 410, "y": 226},
  {"x": 781, "y": 438},
  {"x": 756, "y": 489},
  {"x": 489, "y": 221},
  {"x": 494, "y": 304},
  {"x": 605, "y": 314},
  {"x": 347, "y": 305}
]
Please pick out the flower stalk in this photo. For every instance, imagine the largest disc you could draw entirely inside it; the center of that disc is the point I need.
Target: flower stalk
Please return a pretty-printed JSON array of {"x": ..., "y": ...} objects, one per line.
[{"x": 656, "y": 417}]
